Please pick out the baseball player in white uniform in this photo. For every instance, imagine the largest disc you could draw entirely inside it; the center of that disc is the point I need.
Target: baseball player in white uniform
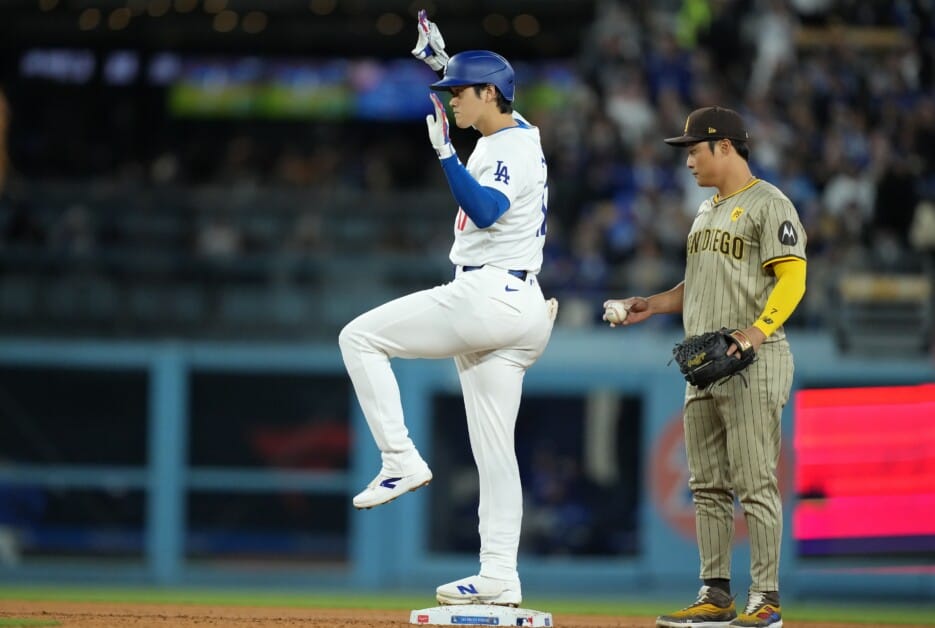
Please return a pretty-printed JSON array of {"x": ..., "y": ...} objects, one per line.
[{"x": 491, "y": 318}]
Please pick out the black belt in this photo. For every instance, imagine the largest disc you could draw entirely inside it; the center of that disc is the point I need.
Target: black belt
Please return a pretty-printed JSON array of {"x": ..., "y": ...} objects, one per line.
[{"x": 519, "y": 274}]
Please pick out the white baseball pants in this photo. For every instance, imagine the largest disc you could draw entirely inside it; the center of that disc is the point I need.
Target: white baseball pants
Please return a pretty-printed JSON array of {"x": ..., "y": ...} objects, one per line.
[{"x": 496, "y": 326}]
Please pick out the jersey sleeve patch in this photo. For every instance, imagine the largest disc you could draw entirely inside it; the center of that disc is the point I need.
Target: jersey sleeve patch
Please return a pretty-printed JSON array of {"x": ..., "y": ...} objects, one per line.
[
  {"x": 787, "y": 234},
  {"x": 501, "y": 173}
]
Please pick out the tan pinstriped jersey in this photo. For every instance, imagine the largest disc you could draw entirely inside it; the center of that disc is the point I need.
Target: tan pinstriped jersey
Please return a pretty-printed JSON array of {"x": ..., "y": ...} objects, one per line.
[{"x": 732, "y": 243}]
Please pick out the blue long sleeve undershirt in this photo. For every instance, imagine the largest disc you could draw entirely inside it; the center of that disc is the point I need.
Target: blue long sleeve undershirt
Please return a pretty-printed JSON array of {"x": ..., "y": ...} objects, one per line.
[{"x": 483, "y": 205}]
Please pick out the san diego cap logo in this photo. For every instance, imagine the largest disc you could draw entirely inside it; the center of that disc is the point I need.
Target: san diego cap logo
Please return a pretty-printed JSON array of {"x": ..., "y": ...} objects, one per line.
[{"x": 787, "y": 234}]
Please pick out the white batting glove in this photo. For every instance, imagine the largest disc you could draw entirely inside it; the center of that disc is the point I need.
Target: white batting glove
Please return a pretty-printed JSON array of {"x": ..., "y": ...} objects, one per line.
[
  {"x": 430, "y": 47},
  {"x": 438, "y": 129}
]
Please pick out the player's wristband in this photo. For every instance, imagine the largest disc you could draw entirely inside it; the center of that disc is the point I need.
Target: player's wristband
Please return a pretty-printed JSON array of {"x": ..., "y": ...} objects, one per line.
[
  {"x": 446, "y": 151},
  {"x": 742, "y": 339}
]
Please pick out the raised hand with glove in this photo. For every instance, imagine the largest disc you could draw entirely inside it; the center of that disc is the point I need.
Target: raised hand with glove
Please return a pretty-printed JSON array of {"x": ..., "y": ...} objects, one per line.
[
  {"x": 430, "y": 46},
  {"x": 438, "y": 129}
]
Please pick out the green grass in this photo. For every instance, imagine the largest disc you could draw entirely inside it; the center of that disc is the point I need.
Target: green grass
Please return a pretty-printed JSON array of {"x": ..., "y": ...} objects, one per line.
[
  {"x": 26, "y": 623},
  {"x": 848, "y": 614}
]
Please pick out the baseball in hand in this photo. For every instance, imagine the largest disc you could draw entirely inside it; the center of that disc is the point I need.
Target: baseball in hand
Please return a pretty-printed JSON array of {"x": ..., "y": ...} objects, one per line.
[{"x": 615, "y": 313}]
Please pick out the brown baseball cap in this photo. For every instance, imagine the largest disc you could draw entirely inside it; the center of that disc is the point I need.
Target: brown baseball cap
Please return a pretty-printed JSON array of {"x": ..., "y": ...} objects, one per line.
[{"x": 711, "y": 123}]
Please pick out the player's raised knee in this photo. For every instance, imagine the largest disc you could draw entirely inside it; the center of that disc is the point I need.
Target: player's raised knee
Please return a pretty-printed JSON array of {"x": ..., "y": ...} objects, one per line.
[{"x": 350, "y": 338}]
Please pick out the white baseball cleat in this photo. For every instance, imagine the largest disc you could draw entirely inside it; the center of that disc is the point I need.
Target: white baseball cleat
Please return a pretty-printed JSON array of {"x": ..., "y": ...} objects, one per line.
[
  {"x": 480, "y": 590},
  {"x": 387, "y": 487}
]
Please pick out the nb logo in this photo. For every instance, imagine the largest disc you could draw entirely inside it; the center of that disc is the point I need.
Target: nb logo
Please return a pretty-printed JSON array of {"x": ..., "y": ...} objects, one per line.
[
  {"x": 501, "y": 174},
  {"x": 390, "y": 482},
  {"x": 464, "y": 590},
  {"x": 509, "y": 289}
]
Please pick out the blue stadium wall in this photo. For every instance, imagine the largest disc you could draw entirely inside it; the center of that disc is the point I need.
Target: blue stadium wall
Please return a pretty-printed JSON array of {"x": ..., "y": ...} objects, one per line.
[{"x": 389, "y": 545}]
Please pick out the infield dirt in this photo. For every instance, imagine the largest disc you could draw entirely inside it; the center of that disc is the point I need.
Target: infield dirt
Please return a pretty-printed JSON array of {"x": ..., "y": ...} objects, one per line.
[{"x": 109, "y": 615}]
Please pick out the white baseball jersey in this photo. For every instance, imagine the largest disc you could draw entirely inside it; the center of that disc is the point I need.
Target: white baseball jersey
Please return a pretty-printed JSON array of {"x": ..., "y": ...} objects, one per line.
[{"x": 510, "y": 161}]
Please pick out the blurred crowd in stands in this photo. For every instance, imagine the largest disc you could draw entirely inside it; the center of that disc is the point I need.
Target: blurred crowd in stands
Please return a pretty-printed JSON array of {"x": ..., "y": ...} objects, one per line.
[
  {"x": 843, "y": 122},
  {"x": 839, "y": 97}
]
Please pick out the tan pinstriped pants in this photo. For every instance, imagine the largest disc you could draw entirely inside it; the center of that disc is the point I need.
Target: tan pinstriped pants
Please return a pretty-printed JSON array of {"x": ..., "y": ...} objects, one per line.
[{"x": 732, "y": 438}]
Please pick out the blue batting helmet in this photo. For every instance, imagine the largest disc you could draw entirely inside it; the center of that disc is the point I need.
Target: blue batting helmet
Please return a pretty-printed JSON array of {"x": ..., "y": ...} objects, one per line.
[{"x": 478, "y": 67}]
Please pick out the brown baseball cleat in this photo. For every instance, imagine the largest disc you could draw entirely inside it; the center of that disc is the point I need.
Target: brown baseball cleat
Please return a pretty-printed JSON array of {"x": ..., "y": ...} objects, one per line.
[
  {"x": 714, "y": 608},
  {"x": 762, "y": 611}
]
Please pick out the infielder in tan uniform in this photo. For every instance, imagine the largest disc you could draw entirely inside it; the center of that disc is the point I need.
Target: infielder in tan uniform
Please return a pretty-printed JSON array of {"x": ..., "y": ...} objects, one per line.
[{"x": 746, "y": 270}]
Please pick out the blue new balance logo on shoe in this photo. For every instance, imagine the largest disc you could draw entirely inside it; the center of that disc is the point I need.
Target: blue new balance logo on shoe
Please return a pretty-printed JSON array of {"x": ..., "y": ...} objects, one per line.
[
  {"x": 390, "y": 482},
  {"x": 464, "y": 590}
]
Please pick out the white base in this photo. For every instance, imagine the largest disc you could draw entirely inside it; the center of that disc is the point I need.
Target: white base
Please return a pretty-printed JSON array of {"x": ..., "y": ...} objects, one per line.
[{"x": 479, "y": 615}]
